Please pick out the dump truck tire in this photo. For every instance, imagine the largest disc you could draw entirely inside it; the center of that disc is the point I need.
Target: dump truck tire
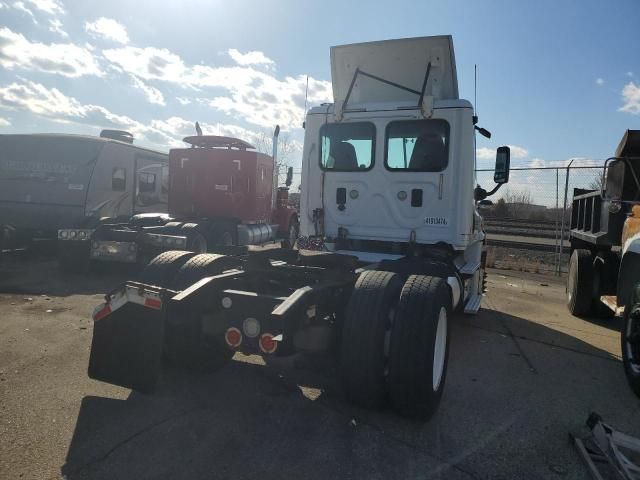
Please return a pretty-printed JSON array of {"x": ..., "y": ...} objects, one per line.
[
  {"x": 366, "y": 329},
  {"x": 200, "y": 266},
  {"x": 420, "y": 346},
  {"x": 630, "y": 341},
  {"x": 161, "y": 269},
  {"x": 580, "y": 282}
]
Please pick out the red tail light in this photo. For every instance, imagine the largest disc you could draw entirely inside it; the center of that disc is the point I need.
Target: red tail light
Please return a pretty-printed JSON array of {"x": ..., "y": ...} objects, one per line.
[
  {"x": 233, "y": 337},
  {"x": 267, "y": 343}
]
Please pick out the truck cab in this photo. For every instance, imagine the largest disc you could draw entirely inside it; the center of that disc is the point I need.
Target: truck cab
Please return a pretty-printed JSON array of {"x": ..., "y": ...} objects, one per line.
[{"x": 395, "y": 157}]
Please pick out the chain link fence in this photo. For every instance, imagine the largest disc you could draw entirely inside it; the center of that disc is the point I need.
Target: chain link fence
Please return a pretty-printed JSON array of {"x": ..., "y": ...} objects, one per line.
[{"x": 528, "y": 224}]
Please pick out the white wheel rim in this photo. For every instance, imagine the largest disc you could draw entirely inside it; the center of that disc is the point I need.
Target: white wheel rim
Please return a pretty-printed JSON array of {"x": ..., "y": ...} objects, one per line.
[
  {"x": 571, "y": 281},
  {"x": 440, "y": 348}
]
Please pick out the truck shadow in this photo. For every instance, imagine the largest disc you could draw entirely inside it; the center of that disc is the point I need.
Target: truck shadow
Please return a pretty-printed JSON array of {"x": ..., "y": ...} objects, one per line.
[
  {"x": 289, "y": 416},
  {"x": 42, "y": 276}
]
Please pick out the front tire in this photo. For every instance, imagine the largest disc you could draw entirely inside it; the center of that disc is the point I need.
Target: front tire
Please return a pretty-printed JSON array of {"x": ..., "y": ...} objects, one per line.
[
  {"x": 630, "y": 341},
  {"x": 368, "y": 321},
  {"x": 580, "y": 283},
  {"x": 420, "y": 347}
]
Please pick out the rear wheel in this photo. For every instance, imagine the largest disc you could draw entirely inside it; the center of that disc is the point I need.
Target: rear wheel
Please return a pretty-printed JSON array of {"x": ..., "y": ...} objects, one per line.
[
  {"x": 580, "y": 282},
  {"x": 224, "y": 234},
  {"x": 161, "y": 269},
  {"x": 196, "y": 241},
  {"x": 365, "y": 337},
  {"x": 630, "y": 341},
  {"x": 420, "y": 346},
  {"x": 200, "y": 266}
]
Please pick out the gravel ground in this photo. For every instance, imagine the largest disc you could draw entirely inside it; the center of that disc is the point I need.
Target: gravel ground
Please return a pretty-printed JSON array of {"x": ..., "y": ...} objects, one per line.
[{"x": 522, "y": 374}]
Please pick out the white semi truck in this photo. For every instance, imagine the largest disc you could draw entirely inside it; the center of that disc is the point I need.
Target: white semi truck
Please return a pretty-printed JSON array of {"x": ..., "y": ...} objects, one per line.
[{"x": 391, "y": 246}]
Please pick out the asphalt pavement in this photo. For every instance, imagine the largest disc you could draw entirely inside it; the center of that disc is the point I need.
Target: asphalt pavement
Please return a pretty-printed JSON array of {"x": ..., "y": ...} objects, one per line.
[{"x": 522, "y": 374}]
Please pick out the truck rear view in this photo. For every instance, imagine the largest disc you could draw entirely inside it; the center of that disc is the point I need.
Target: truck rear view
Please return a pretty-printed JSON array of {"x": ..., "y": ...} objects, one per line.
[{"x": 391, "y": 247}]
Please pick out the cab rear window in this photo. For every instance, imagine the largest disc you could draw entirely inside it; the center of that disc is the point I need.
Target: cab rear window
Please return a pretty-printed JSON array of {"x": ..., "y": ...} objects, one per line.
[
  {"x": 417, "y": 145},
  {"x": 347, "y": 147}
]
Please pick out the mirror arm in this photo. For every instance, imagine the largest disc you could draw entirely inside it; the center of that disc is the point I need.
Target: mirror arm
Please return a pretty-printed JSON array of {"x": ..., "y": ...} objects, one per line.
[{"x": 480, "y": 193}]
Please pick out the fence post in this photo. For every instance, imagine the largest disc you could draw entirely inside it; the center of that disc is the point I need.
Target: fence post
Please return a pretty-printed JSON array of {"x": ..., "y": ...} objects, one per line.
[
  {"x": 564, "y": 211},
  {"x": 557, "y": 255}
]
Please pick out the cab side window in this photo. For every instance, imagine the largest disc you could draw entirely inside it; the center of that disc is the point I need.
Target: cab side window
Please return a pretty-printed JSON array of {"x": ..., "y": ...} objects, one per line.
[{"x": 119, "y": 180}]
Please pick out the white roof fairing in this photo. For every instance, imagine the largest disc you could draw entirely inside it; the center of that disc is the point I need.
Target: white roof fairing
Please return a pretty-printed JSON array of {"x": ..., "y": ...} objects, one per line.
[{"x": 402, "y": 61}]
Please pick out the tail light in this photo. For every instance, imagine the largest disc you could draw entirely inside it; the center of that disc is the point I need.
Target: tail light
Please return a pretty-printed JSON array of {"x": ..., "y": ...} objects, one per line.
[
  {"x": 267, "y": 343},
  {"x": 233, "y": 337}
]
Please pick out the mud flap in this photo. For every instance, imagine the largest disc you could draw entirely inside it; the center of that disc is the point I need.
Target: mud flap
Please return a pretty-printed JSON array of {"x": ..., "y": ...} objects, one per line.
[{"x": 126, "y": 349}]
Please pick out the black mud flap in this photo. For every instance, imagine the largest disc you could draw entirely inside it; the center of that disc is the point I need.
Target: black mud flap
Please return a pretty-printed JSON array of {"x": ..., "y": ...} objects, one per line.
[{"x": 126, "y": 349}]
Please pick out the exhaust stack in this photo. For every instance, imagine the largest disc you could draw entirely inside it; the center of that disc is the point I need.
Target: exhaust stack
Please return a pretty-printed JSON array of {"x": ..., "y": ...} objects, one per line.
[{"x": 274, "y": 187}]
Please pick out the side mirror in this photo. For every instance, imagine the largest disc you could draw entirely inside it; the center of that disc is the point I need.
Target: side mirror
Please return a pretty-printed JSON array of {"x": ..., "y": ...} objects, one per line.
[
  {"x": 485, "y": 203},
  {"x": 503, "y": 161},
  {"x": 289, "y": 177}
]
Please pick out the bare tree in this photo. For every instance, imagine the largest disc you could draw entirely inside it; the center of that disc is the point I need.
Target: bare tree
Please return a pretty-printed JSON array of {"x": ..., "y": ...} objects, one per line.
[
  {"x": 264, "y": 144},
  {"x": 596, "y": 183},
  {"x": 518, "y": 202}
]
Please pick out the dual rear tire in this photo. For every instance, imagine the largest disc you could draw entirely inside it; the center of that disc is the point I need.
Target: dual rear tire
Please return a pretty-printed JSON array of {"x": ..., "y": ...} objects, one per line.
[{"x": 395, "y": 342}]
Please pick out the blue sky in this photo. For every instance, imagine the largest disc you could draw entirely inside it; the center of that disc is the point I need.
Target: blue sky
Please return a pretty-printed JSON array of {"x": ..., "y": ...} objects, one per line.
[{"x": 557, "y": 79}]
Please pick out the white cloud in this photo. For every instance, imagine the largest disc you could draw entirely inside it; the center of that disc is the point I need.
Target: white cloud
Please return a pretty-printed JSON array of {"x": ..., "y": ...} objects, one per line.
[
  {"x": 153, "y": 94},
  {"x": 250, "y": 58},
  {"x": 257, "y": 97},
  {"x": 55, "y": 26},
  {"x": 23, "y": 8},
  {"x": 599, "y": 81},
  {"x": 485, "y": 153},
  {"x": 64, "y": 59},
  {"x": 538, "y": 163},
  {"x": 4, "y": 122},
  {"x": 51, "y": 7},
  {"x": 631, "y": 99},
  {"x": 107, "y": 28},
  {"x": 52, "y": 104},
  {"x": 183, "y": 100}
]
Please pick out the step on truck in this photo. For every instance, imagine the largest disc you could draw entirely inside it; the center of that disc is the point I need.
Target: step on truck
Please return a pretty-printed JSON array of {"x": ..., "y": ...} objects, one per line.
[
  {"x": 604, "y": 267},
  {"x": 391, "y": 246},
  {"x": 220, "y": 192}
]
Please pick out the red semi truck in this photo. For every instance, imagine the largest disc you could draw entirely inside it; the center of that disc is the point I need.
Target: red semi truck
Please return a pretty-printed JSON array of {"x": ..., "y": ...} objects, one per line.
[{"x": 221, "y": 193}]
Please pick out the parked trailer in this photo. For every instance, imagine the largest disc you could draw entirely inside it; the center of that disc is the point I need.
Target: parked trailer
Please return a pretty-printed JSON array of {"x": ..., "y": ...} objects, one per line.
[
  {"x": 220, "y": 192},
  {"x": 53, "y": 181},
  {"x": 389, "y": 205},
  {"x": 604, "y": 270}
]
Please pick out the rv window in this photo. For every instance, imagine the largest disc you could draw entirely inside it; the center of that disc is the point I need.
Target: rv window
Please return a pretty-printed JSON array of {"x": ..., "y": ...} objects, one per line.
[
  {"x": 119, "y": 180},
  {"x": 417, "y": 145},
  {"x": 146, "y": 182},
  {"x": 347, "y": 147}
]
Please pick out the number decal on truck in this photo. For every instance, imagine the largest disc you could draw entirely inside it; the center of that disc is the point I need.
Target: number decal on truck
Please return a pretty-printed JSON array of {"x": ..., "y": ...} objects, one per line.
[{"x": 435, "y": 221}]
